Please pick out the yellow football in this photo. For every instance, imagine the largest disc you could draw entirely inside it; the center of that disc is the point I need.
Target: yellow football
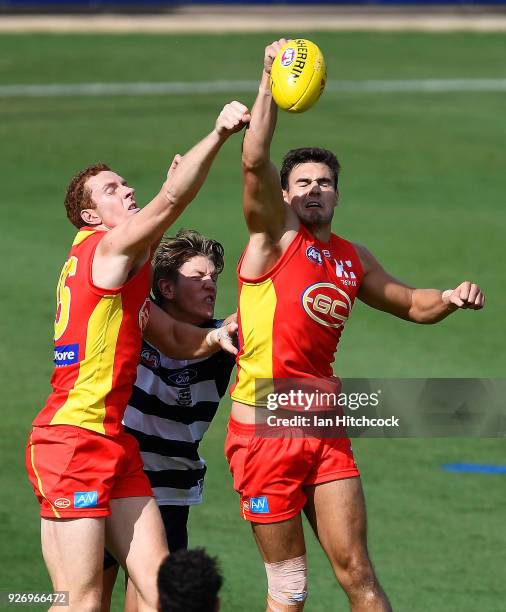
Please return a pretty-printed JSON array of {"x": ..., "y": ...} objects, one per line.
[{"x": 298, "y": 75}]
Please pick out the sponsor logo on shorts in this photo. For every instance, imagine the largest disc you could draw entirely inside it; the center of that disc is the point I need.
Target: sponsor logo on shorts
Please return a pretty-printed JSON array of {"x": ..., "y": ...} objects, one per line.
[
  {"x": 288, "y": 56},
  {"x": 150, "y": 358},
  {"x": 85, "y": 499},
  {"x": 326, "y": 304},
  {"x": 183, "y": 378},
  {"x": 259, "y": 505},
  {"x": 62, "y": 503},
  {"x": 313, "y": 254},
  {"x": 245, "y": 505},
  {"x": 66, "y": 354}
]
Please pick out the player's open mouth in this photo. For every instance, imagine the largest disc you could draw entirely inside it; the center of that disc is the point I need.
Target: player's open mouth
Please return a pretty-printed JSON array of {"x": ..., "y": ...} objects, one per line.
[
  {"x": 210, "y": 299},
  {"x": 313, "y": 204}
]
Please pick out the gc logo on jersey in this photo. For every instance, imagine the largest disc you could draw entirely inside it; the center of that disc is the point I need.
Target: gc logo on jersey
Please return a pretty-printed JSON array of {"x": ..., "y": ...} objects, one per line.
[{"x": 326, "y": 304}]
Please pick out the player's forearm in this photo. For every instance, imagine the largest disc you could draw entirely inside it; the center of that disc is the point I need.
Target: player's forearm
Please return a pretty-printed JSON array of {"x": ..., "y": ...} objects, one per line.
[
  {"x": 177, "y": 339},
  {"x": 429, "y": 306},
  {"x": 192, "y": 170},
  {"x": 258, "y": 138},
  {"x": 149, "y": 225}
]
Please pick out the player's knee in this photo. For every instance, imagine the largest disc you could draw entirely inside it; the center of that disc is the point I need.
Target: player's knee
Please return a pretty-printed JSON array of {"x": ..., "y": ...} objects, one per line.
[
  {"x": 356, "y": 575},
  {"x": 85, "y": 600},
  {"x": 287, "y": 584}
]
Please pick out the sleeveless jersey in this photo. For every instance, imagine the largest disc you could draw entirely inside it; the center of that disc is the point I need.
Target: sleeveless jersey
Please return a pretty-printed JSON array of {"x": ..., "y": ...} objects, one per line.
[
  {"x": 291, "y": 318},
  {"x": 97, "y": 343}
]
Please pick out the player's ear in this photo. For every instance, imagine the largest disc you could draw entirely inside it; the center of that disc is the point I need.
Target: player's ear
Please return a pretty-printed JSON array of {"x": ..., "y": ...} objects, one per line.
[
  {"x": 90, "y": 217},
  {"x": 166, "y": 288}
]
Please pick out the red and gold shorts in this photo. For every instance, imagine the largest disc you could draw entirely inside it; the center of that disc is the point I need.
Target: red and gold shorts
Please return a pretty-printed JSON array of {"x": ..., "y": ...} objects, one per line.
[
  {"x": 76, "y": 471},
  {"x": 270, "y": 473}
]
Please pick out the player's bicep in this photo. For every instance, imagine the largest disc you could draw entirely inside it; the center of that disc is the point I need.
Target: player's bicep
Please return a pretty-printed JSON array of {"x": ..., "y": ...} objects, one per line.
[
  {"x": 381, "y": 290},
  {"x": 263, "y": 204}
]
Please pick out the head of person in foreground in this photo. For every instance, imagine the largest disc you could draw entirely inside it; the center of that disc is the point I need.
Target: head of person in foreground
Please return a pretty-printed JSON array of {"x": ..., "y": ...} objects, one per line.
[{"x": 189, "y": 581}]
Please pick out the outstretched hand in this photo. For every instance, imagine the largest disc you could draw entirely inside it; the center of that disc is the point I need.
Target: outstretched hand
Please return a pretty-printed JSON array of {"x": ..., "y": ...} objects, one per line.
[
  {"x": 232, "y": 118},
  {"x": 467, "y": 295}
]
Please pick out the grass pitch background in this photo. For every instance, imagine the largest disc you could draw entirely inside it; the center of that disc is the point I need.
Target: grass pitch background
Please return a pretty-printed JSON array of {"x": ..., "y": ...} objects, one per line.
[{"x": 422, "y": 186}]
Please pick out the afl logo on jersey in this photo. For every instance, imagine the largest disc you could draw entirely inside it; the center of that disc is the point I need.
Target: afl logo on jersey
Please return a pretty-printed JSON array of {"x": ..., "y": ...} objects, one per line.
[
  {"x": 144, "y": 314},
  {"x": 326, "y": 304},
  {"x": 313, "y": 254}
]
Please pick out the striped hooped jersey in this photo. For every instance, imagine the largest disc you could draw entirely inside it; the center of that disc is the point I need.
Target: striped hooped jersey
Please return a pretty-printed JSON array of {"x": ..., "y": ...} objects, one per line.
[
  {"x": 97, "y": 342},
  {"x": 291, "y": 318},
  {"x": 172, "y": 405}
]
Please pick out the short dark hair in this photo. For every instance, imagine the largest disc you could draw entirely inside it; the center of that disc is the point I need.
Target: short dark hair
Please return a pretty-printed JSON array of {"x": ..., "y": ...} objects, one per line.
[
  {"x": 189, "y": 581},
  {"x": 173, "y": 252},
  {"x": 78, "y": 196},
  {"x": 308, "y": 154}
]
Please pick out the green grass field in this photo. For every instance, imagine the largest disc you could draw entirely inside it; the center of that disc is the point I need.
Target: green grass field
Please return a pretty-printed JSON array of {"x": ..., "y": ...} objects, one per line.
[{"x": 422, "y": 186}]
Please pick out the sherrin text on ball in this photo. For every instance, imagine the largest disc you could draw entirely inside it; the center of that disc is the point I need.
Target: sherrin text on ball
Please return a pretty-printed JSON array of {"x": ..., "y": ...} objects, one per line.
[{"x": 298, "y": 75}]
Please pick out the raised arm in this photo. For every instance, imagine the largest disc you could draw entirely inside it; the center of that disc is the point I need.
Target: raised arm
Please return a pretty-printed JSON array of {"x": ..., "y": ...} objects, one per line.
[
  {"x": 184, "y": 341},
  {"x": 382, "y": 291},
  {"x": 128, "y": 243},
  {"x": 265, "y": 212}
]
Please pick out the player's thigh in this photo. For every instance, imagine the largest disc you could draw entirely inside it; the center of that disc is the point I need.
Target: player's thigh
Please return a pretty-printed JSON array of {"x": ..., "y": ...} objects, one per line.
[
  {"x": 280, "y": 541},
  {"x": 73, "y": 552},
  {"x": 136, "y": 537},
  {"x": 336, "y": 511}
]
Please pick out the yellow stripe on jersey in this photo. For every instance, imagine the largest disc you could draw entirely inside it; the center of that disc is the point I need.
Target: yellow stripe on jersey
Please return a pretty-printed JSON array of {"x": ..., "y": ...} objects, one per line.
[
  {"x": 85, "y": 405},
  {"x": 39, "y": 481},
  {"x": 81, "y": 237},
  {"x": 257, "y": 304}
]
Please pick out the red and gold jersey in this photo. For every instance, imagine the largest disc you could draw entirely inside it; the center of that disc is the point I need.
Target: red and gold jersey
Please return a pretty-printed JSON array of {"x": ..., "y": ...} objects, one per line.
[
  {"x": 291, "y": 318},
  {"x": 97, "y": 342}
]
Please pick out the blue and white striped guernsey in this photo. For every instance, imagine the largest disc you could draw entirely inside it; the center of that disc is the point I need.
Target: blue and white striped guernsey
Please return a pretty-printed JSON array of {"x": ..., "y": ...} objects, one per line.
[{"x": 171, "y": 407}]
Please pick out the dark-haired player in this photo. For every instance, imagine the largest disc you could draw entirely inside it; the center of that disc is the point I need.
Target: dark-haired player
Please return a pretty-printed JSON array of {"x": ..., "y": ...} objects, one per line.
[
  {"x": 189, "y": 581},
  {"x": 85, "y": 470},
  {"x": 297, "y": 285}
]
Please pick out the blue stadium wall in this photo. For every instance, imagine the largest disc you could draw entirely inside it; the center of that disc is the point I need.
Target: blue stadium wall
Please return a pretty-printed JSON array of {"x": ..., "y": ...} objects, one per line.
[{"x": 101, "y": 5}]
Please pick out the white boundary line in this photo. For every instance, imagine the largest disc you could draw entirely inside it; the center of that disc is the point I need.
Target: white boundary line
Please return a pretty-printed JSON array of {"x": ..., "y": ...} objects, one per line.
[{"x": 211, "y": 87}]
